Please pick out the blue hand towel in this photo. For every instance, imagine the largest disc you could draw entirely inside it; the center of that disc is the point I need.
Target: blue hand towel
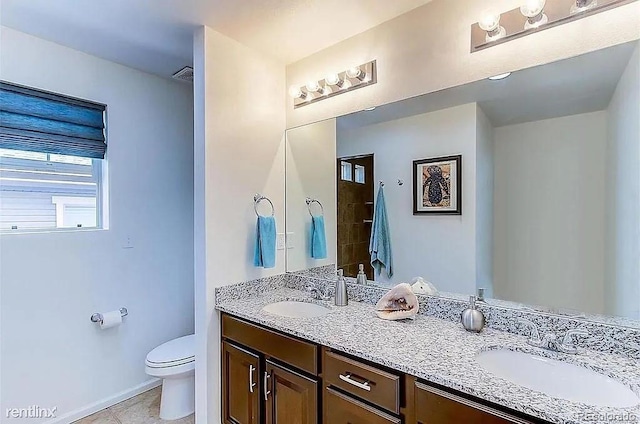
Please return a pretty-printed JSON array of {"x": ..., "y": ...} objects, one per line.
[
  {"x": 265, "y": 252},
  {"x": 380, "y": 244},
  {"x": 318, "y": 238}
]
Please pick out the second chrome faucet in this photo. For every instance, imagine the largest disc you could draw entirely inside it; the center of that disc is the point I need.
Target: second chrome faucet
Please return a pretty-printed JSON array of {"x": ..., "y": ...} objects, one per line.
[{"x": 550, "y": 340}]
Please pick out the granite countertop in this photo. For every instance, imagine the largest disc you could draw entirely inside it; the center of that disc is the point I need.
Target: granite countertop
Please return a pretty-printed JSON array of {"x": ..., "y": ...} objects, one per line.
[{"x": 440, "y": 352}]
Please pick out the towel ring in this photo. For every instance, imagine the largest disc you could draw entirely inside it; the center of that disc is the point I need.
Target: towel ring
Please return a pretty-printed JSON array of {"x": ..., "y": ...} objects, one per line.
[
  {"x": 309, "y": 201},
  {"x": 259, "y": 198}
]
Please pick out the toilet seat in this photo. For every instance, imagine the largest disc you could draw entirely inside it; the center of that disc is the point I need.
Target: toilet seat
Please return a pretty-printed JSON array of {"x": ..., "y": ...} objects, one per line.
[{"x": 173, "y": 353}]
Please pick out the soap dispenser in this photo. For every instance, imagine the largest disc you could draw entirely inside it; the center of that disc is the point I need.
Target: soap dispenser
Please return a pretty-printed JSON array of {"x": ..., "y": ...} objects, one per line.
[
  {"x": 362, "y": 277},
  {"x": 341, "y": 290},
  {"x": 472, "y": 319}
]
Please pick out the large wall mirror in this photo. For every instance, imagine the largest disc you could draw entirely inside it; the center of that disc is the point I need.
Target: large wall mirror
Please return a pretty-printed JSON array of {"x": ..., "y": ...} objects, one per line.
[{"x": 526, "y": 186}]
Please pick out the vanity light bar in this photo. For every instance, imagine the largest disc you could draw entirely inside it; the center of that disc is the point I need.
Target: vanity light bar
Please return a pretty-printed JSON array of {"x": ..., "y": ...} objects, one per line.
[
  {"x": 494, "y": 28},
  {"x": 334, "y": 84}
]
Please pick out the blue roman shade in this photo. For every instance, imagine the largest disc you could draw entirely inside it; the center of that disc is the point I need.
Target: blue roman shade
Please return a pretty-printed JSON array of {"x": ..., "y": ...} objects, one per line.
[{"x": 40, "y": 121}]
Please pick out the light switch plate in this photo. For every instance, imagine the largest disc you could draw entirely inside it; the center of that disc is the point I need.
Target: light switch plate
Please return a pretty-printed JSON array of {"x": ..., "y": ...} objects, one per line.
[
  {"x": 280, "y": 241},
  {"x": 290, "y": 243}
]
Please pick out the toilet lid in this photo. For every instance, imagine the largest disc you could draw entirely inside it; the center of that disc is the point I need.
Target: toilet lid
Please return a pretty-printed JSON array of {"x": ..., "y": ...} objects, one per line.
[{"x": 174, "y": 352}]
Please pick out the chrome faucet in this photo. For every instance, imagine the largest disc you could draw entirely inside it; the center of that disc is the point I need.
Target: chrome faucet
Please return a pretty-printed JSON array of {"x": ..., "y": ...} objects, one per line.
[
  {"x": 317, "y": 293},
  {"x": 550, "y": 341}
]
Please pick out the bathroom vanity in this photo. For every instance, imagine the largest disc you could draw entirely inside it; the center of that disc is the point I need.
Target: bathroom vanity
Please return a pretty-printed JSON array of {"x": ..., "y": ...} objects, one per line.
[
  {"x": 270, "y": 377},
  {"x": 284, "y": 363}
]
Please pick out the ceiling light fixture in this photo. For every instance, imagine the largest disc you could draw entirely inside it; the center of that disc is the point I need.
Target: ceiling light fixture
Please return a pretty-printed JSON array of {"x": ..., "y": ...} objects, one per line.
[
  {"x": 369, "y": 109},
  {"x": 533, "y": 10},
  {"x": 500, "y": 76},
  {"x": 490, "y": 22}
]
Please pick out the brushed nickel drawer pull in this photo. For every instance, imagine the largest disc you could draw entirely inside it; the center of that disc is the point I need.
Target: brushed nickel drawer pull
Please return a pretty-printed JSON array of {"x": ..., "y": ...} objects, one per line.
[
  {"x": 267, "y": 392},
  {"x": 363, "y": 386},
  {"x": 251, "y": 383}
]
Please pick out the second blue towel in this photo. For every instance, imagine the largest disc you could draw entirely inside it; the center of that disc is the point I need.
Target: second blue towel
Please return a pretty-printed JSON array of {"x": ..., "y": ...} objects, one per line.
[
  {"x": 265, "y": 251},
  {"x": 318, "y": 238}
]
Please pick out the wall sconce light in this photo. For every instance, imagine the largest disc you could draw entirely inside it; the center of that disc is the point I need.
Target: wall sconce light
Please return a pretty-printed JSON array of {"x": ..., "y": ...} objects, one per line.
[
  {"x": 533, "y": 10},
  {"x": 334, "y": 84},
  {"x": 297, "y": 93},
  {"x": 334, "y": 80},
  {"x": 580, "y": 6},
  {"x": 490, "y": 22},
  {"x": 495, "y": 28}
]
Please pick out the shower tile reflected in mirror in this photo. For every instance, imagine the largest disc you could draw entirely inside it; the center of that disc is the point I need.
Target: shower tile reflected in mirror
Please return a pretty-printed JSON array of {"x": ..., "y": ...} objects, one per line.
[
  {"x": 551, "y": 186},
  {"x": 355, "y": 213}
]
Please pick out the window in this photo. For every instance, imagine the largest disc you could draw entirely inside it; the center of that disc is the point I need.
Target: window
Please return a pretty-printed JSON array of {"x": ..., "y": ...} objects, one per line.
[
  {"x": 346, "y": 171},
  {"x": 51, "y": 153},
  {"x": 359, "y": 174}
]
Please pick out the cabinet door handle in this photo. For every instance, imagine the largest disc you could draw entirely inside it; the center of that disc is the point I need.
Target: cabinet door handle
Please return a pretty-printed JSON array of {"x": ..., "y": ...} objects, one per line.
[
  {"x": 363, "y": 386},
  {"x": 267, "y": 392},
  {"x": 251, "y": 383}
]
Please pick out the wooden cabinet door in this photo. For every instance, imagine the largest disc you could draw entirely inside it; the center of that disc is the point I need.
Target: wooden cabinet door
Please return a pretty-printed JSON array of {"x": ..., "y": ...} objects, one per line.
[
  {"x": 240, "y": 385},
  {"x": 291, "y": 398},
  {"x": 435, "y": 406}
]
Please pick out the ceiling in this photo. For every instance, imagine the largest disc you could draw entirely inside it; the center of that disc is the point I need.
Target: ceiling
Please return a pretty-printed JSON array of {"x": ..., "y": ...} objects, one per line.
[
  {"x": 580, "y": 84},
  {"x": 156, "y": 35}
]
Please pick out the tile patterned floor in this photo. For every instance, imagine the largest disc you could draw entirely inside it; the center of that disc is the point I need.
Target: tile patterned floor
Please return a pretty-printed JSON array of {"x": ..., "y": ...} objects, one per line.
[{"x": 141, "y": 409}]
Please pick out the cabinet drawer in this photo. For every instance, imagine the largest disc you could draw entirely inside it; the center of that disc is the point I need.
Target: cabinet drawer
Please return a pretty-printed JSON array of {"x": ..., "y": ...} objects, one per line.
[
  {"x": 369, "y": 383},
  {"x": 435, "y": 406},
  {"x": 342, "y": 409},
  {"x": 300, "y": 354}
]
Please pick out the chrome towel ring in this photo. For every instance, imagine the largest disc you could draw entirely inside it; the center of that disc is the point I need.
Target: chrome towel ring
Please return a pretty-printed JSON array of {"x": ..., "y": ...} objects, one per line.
[
  {"x": 259, "y": 198},
  {"x": 309, "y": 201}
]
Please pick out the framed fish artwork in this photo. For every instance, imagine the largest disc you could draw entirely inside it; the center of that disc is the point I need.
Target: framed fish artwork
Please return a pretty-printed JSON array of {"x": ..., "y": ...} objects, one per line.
[{"x": 437, "y": 186}]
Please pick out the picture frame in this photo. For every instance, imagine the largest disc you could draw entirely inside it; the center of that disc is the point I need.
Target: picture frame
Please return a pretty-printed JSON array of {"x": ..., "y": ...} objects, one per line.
[{"x": 437, "y": 186}]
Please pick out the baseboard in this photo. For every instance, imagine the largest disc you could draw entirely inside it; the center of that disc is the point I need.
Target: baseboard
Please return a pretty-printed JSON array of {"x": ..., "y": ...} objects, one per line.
[{"x": 105, "y": 403}]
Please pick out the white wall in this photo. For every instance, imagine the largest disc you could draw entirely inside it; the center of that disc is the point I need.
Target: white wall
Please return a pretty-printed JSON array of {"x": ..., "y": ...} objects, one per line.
[
  {"x": 427, "y": 50},
  {"x": 51, "y": 354},
  {"x": 623, "y": 212},
  {"x": 311, "y": 172},
  {"x": 550, "y": 197},
  {"x": 239, "y": 151},
  {"x": 442, "y": 249},
  {"x": 484, "y": 202}
]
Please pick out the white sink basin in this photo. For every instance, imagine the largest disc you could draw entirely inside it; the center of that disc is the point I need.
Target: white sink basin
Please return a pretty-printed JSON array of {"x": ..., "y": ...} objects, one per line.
[
  {"x": 558, "y": 379},
  {"x": 293, "y": 309}
]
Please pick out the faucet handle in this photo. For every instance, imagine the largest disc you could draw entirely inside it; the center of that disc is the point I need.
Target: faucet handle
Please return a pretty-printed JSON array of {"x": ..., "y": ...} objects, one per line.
[
  {"x": 534, "y": 337},
  {"x": 568, "y": 344}
]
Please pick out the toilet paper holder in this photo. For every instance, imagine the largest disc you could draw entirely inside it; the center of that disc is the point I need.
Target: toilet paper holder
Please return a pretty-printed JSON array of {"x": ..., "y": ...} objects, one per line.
[{"x": 97, "y": 317}]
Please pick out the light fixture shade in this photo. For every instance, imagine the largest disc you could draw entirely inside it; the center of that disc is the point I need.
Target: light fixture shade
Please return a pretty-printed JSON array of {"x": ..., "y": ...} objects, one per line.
[
  {"x": 532, "y": 8},
  {"x": 355, "y": 72},
  {"x": 313, "y": 86},
  {"x": 333, "y": 79},
  {"x": 490, "y": 21},
  {"x": 296, "y": 92}
]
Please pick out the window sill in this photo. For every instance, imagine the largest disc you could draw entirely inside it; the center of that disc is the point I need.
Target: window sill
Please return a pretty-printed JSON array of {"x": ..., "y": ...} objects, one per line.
[{"x": 51, "y": 231}]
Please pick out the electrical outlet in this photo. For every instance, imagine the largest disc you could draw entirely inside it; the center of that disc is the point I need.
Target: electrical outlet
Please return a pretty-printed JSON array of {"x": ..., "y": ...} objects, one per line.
[
  {"x": 290, "y": 243},
  {"x": 280, "y": 241}
]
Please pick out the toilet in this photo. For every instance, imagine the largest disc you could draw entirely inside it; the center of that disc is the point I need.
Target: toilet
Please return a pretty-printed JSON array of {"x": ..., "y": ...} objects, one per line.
[{"x": 174, "y": 363}]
